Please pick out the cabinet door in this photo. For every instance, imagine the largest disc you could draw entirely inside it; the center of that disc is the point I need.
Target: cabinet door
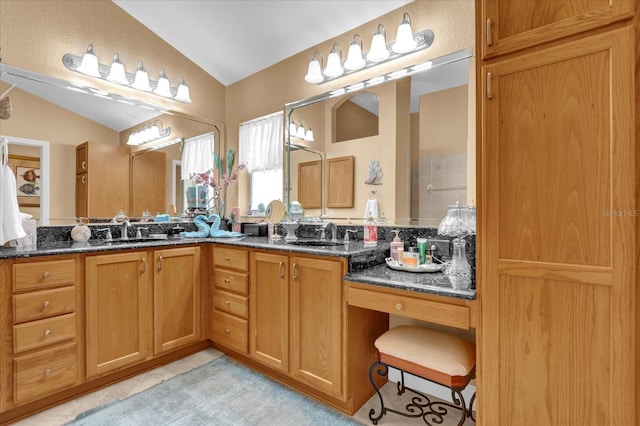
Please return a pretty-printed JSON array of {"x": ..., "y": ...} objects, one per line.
[
  {"x": 176, "y": 297},
  {"x": 269, "y": 312},
  {"x": 557, "y": 236},
  {"x": 316, "y": 318},
  {"x": 82, "y": 188},
  {"x": 509, "y": 25},
  {"x": 118, "y": 311}
]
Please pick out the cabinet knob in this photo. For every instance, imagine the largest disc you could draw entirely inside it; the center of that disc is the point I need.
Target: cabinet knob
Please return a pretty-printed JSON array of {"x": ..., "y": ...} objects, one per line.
[
  {"x": 227, "y": 258},
  {"x": 48, "y": 372},
  {"x": 47, "y": 332},
  {"x": 226, "y": 302},
  {"x": 83, "y": 166},
  {"x": 227, "y": 280},
  {"x": 227, "y": 331},
  {"x": 84, "y": 179},
  {"x": 46, "y": 304},
  {"x": 399, "y": 306},
  {"x": 46, "y": 275}
]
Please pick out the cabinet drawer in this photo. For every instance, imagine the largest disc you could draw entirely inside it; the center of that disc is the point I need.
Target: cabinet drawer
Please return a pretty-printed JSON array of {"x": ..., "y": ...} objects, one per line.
[
  {"x": 231, "y": 258},
  {"x": 230, "y": 303},
  {"x": 45, "y": 372},
  {"x": 230, "y": 331},
  {"x": 35, "y": 334},
  {"x": 232, "y": 281},
  {"x": 425, "y": 310},
  {"x": 44, "y": 274},
  {"x": 42, "y": 304}
]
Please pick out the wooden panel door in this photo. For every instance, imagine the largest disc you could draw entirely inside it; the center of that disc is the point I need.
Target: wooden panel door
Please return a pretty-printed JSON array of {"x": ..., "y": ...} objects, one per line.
[
  {"x": 269, "y": 310},
  {"x": 557, "y": 233},
  {"x": 82, "y": 188},
  {"x": 118, "y": 311},
  {"x": 310, "y": 184},
  {"x": 176, "y": 298},
  {"x": 513, "y": 25},
  {"x": 148, "y": 183},
  {"x": 316, "y": 319}
]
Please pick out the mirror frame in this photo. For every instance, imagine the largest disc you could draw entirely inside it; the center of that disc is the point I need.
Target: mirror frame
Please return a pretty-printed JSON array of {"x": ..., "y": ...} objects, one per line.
[{"x": 353, "y": 89}]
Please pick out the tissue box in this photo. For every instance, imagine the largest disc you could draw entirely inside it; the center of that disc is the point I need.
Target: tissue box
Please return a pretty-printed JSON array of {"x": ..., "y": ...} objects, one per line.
[{"x": 254, "y": 229}]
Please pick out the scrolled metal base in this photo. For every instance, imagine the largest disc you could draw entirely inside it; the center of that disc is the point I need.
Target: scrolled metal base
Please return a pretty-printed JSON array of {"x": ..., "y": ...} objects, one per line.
[{"x": 421, "y": 405}]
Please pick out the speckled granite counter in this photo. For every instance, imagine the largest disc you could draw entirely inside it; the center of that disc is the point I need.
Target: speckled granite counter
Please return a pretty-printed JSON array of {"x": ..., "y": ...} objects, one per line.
[
  {"x": 434, "y": 283},
  {"x": 359, "y": 256}
]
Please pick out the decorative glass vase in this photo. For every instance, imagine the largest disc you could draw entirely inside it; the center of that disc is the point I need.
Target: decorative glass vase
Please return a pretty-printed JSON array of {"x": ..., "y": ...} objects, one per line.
[{"x": 459, "y": 271}]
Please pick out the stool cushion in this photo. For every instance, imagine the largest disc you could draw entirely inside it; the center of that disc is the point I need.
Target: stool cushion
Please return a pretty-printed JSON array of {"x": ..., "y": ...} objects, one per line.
[{"x": 431, "y": 354}]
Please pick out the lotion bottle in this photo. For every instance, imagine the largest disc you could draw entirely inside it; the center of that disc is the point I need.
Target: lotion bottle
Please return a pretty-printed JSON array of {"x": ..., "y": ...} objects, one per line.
[
  {"x": 395, "y": 245},
  {"x": 370, "y": 232}
]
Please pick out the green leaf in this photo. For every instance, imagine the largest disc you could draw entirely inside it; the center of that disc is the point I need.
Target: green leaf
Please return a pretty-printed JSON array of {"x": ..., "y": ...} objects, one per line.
[
  {"x": 216, "y": 161},
  {"x": 230, "y": 157}
]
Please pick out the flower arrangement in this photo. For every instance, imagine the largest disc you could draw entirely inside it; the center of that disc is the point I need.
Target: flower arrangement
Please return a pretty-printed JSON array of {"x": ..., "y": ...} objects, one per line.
[{"x": 227, "y": 174}]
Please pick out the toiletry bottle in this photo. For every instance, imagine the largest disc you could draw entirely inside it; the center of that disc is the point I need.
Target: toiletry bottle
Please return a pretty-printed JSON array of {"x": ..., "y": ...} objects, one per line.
[
  {"x": 370, "y": 232},
  {"x": 411, "y": 258},
  {"x": 395, "y": 245},
  {"x": 429, "y": 257},
  {"x": 422, "y": 250},
  {"x": 401, "y": 255}
]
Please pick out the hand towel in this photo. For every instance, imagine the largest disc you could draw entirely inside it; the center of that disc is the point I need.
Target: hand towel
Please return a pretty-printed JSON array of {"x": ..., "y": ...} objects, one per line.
[
  {"x": 217, "y": 232},
  {"x": 371, "y": 209},
  {"x": 10, "y": 219},
  {"x": 203, "y": 229}
]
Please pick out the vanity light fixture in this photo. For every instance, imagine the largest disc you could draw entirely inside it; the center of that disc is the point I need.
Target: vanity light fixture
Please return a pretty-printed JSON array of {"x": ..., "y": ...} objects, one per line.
[
  {"x": 89, "y": 65},
  {"x": 406, "y": 43},
  {"x": 379, "y": 51},
  {"x": 314, "y": 72},
  {"x": 150, "y": 133},
  {"x": 299, "y": 132}
]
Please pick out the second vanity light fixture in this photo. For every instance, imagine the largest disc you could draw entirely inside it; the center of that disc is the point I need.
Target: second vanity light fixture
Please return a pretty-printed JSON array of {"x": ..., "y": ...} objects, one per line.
[
  {"x": 150, "y": 133},
  {"x": 406, "y": 43},
  {"x": 298, "y": 131},
  {"x": 89, "y": 65}
]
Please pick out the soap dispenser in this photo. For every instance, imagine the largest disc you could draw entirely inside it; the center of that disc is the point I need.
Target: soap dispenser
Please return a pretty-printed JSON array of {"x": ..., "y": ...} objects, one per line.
[
  {"x": 395, "y": 245},
  {"x": 370, "y": 232},
  {"x": 80, "y": 232}
]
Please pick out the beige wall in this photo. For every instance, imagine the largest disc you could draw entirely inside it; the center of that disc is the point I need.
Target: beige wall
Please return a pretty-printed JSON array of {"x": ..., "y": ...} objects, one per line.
[{"x": 269, "y": 90}]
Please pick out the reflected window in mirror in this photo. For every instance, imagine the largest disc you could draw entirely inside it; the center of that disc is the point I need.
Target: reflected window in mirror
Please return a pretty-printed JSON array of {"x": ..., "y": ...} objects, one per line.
[
  {"x": 357, "y": 117},
  {"x": 261, "y": 152}
]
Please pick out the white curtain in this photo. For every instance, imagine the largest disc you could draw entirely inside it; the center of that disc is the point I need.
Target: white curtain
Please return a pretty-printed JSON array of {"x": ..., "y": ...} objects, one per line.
[
  {"x": 261, "y": 143},
  {"x": 197, "y": 155}
]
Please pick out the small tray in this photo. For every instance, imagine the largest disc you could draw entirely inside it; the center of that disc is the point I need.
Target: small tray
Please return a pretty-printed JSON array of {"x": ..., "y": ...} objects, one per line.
[{"x": 393, "y": 264}]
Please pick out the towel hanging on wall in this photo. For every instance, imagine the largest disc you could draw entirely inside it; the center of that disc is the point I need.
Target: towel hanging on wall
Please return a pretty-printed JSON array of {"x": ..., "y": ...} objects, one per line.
[{"x": 10, "y": 220}]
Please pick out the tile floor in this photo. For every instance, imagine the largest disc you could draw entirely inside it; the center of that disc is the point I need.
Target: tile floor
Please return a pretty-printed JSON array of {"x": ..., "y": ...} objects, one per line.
[{"x": 66, "y": 412}]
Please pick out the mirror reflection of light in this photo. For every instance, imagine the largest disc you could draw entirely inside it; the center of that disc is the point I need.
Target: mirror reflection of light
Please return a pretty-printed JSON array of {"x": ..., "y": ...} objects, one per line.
[
  {"x": 423, "y": 66},
  {"x": 76, "y": 89},
  {"x": 355, "y": 87},
  {"x": 338, "y": 92},
  {"x": 126, "y": 102},
  {"x": 398, "y": 74},
  {"x": 376, "y": 80}
]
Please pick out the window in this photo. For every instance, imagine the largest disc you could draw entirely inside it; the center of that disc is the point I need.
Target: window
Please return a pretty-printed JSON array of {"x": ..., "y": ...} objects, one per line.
[{"x": 260, "y": 151}]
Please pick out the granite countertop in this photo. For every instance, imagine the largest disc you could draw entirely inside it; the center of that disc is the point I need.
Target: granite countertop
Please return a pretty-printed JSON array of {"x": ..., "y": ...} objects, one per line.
[
  {"x": 356, "y": 249},
  {"x": 425, "y": 282}
]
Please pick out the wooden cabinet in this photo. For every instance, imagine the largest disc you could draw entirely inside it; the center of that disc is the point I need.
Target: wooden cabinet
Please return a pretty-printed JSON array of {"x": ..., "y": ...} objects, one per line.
[
  {"x": 229, "y": 298},
  {"x": 102, "y": 179},
  {"x": 40, "y": 355},
  {"x": 509, "y": 26},
  {"x": 269, "y": 327},
  {"x": 558, "y": 229},
  {"x": 176, "y": 298},
  {"x": 315, "y": 306},
  {"x": 296, "y": 318},
  {"x": 118, "y": 310}
]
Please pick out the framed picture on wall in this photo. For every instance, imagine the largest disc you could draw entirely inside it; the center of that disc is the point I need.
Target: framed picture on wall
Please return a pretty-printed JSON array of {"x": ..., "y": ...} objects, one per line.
[{"x": 27, "y": 171}]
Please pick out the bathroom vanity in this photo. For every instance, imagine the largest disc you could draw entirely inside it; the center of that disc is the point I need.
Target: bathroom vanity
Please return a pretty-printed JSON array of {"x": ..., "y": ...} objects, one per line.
[{"x": 78, "y": 317}]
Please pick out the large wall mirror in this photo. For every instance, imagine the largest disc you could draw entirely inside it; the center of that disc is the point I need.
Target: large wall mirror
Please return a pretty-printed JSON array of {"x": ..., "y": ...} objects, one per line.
[
  {"x": 49, "y": 119},
  {"x": 414, "y": 149}
]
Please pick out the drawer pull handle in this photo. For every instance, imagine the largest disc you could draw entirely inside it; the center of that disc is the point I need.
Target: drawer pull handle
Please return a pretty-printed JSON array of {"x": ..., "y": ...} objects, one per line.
[
  {"x": 143, "y": 265},
  {"x": 227, "y": 258},
  {"x": 295, "y": 272},
  {"x": 160, "y": 263},
  {"x": 46, "y": 275},
  {"x": 399, "y": 306},
  {"x": 84, "y": 179},
  {"x": 48, "y": 372},
  {"x": 46, "y": 304},
  {"x": 84, "y": 165},
  {"x": 47, "y": 332},
  {"x": 489, "y": 38},
  {"x": 227, "y": 331},
  {"x": 226, "y": 302},
  {"x": 281, "y": 269}
]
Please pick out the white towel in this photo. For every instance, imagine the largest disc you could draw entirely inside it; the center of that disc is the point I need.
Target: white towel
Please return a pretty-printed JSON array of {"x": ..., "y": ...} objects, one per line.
[
  {"x": 371, "y": 209},
  {"x": 10, "y": 219}
]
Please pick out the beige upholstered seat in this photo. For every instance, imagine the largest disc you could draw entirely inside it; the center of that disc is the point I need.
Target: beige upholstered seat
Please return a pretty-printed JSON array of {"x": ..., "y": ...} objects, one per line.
[{"x": 434, "y": 355}]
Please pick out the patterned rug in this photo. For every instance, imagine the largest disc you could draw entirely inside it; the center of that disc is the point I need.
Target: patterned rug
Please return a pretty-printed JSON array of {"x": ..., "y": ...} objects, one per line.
[{"x": 221, "y": 392}]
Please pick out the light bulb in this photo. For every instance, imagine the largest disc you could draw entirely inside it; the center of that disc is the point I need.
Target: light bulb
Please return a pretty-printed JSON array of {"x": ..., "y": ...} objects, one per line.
[
  {"x": 379, "y": 51},
  {"x": 164, "y": 87},
  {"x": 182, "y": 94},
  {"x": 334, "y": 63},
  {"x": 141, "y": 81},
  {"x": 117, "y": 73},
  {"x": 314, "y": 73},
  {"x": 404, "y": 37},
  {"x": 89, "y": 64},
  {"x": 355, "y": 61}
]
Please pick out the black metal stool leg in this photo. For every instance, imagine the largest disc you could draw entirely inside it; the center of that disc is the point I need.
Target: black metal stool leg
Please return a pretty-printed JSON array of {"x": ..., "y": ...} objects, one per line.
[
  {"x": 382, "y": 370},
  {"x": 470, "y": 411}
]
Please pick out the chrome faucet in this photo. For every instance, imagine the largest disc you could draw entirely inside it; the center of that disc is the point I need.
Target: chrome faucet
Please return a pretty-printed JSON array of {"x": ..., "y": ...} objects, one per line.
[
  {"x": 350, "y": 231},
  {"x": 334, "y": 230},
  {"x": 124, "y": 230}
]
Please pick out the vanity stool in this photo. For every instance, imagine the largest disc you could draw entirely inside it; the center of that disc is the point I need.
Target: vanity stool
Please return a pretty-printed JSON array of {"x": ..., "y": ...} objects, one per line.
[{"x": 429, "y": 354}]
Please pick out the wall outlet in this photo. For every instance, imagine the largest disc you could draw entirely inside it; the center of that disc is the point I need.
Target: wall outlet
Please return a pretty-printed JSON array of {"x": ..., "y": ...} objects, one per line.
[{"x": 442, "y": 247}]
